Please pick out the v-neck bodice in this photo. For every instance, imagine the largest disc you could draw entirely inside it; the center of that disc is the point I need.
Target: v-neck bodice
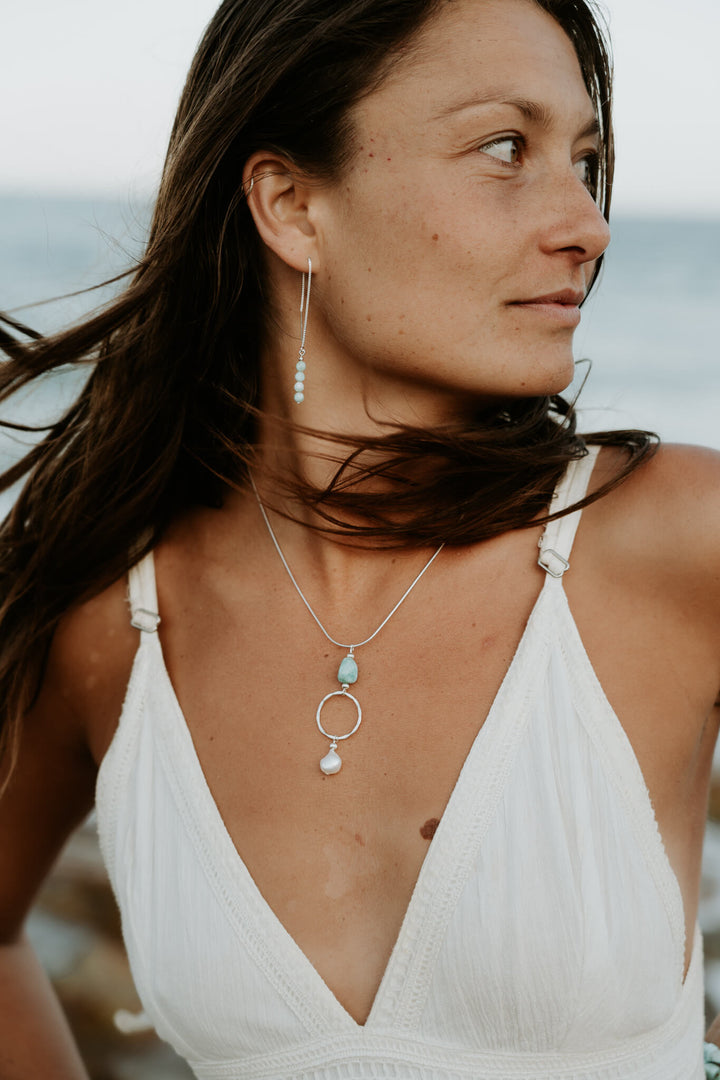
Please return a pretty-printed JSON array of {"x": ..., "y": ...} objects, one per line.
[{"x": 544, "y": 936}]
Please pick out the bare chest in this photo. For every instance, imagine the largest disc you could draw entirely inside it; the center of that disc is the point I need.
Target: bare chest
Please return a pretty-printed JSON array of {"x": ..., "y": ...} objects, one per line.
[{"x": 337, "y": 857}]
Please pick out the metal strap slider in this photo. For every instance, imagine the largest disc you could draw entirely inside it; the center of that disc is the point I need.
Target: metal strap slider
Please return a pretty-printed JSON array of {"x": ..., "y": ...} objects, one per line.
[
  {"x": 545, "y": 560},
  {"x": 143, "y": 619}
]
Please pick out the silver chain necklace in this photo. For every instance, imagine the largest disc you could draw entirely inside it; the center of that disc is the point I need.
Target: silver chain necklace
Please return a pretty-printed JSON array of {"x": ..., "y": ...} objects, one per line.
[{"x": 347, "y": 674}]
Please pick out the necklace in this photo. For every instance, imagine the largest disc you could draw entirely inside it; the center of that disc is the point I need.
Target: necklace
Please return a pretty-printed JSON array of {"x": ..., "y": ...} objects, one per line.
[{"x": 348, "y": 672}]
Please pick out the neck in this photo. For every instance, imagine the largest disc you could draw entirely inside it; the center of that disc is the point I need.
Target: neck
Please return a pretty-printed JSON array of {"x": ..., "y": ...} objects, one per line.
[
  {"x": 346, "y": 399},
  {"x": 345, "y": 578}
]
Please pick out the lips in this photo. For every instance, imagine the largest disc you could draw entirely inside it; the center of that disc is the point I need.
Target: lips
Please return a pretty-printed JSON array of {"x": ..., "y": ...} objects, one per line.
[
  {"x": 565, "y": 297},
  {"x": 560, "y": 310}
]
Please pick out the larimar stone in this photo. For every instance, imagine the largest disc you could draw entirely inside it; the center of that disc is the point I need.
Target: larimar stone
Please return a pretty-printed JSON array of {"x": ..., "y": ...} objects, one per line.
[{"x": 348, "y": 671}]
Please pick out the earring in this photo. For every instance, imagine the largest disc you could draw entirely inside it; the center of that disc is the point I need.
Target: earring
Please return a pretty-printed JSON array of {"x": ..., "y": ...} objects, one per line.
[{"x": 304, "y": 309}]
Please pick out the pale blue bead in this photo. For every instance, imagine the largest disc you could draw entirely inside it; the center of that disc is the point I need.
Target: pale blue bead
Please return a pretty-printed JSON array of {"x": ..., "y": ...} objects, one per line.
[
  {"x": 299, "y": 397},
  {"x": 348, "y": 671},
  {"x": 300, "y": 376},
  {"x": 299, "y": 387},
  {"x": 301, "y": 365}
]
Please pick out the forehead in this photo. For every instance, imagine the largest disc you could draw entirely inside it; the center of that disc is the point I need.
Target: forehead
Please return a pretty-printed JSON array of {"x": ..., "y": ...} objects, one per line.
[{"x": 480, "y": 50}]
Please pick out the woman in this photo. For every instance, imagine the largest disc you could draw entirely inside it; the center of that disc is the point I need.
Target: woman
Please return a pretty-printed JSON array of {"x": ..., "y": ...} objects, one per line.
[{"x": 368, "y": 811}]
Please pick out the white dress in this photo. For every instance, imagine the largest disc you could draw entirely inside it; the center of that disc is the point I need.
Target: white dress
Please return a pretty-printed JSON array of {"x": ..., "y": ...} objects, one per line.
[{"x": 545, "y": 935}]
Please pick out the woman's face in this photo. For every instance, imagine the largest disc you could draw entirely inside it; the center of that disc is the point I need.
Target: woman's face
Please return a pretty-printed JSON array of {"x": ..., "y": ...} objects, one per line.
[{"x": 453, "y": 253}]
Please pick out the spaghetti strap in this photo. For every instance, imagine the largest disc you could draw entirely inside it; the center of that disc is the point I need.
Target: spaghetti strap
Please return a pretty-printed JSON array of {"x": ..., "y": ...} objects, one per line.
[
  {"x": 142, "y": 595},
  {"x": 557, "y": 540}
]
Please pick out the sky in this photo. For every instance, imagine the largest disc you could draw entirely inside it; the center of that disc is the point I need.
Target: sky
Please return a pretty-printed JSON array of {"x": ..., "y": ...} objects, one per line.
[{"x": 88, "y": 90}]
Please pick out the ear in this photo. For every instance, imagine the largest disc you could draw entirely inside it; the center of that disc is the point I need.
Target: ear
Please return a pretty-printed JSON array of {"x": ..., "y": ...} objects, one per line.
[{"x": 282, "y": 208}]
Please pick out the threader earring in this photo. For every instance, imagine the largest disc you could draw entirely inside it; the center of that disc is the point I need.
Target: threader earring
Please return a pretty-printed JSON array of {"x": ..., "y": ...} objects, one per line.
[{"x": 304, "y": 310}]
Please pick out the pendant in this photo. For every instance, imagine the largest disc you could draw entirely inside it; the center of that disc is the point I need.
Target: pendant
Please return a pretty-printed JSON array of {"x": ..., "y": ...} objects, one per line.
[
  {"x": 348, "y": 670},
  {"x": 332, "y": 762},
  {"x": 347, "y": 675}
]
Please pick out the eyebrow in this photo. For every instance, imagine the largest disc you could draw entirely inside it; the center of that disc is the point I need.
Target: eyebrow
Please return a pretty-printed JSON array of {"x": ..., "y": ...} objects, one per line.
[{"x": 534, "y": 111}]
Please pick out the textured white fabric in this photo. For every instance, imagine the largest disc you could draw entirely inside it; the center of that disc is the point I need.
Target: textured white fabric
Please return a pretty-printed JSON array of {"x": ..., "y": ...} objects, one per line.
[{"x": 545, "y": 935}]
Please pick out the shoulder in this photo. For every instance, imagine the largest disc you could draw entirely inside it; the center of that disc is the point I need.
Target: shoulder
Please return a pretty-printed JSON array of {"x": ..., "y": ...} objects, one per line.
[
  {"x": 89, "y": 665},
  {"x": 663, "y": 522},
  {"x": 679, "y": 485}
]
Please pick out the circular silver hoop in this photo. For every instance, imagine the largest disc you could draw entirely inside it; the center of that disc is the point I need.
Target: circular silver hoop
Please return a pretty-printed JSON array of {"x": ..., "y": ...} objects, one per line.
[{"x": 343, "y": 694}]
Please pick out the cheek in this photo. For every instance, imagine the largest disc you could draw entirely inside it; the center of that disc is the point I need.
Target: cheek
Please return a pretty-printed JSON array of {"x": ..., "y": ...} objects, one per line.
[
  {"x": 385, "y": 226},
  {"x": 419, "y": 267},
  {"x": 387, "y": 259},
  {"x": 372, "y": 255}
]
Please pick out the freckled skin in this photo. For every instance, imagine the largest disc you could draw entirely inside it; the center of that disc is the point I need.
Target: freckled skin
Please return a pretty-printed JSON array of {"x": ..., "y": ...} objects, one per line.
[{"x": 511, "y": 231}]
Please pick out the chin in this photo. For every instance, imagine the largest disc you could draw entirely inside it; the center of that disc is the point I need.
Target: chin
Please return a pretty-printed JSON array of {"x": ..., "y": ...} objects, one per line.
[
  {"x": 534, "y": 369},
  {"x": 541, "y": 378},
  {"x": 542, "y": 387},
  {"x": 553, "y": 380}
]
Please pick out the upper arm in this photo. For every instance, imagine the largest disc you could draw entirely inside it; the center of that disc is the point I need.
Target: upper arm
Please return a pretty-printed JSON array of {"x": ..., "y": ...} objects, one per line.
[{"x": 52, "y": 786}]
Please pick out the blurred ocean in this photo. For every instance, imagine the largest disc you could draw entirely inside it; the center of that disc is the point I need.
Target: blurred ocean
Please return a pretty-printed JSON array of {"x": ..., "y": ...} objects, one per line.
[{"x": 650, "y": 330}]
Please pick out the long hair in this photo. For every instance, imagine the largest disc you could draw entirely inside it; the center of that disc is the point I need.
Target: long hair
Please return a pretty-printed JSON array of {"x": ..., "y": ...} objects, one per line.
[{"x": 168, "y": 415}]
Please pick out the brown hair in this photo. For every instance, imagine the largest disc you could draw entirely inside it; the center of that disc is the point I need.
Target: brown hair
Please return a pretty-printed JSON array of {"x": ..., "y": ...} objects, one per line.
[{"x": 167, "y": 417}]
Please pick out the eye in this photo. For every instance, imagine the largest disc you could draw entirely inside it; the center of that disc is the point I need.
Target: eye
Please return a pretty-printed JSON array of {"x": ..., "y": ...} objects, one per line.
[
  {"x": 587, "y": 169},
  {"x": 506, "y": 149}
]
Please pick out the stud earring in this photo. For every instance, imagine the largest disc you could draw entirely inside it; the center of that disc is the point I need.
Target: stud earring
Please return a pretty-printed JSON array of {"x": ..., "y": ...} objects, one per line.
[{"x": 304, "y": 309}]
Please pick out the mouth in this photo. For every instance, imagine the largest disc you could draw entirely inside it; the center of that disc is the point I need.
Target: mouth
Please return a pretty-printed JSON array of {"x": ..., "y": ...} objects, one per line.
[
  {"x": 562, "y": 307},
  {"x": 566, "y": 297}
]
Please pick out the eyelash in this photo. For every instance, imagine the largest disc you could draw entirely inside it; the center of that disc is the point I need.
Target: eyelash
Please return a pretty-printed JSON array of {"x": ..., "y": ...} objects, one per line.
[{"x": 592, "y": 158}]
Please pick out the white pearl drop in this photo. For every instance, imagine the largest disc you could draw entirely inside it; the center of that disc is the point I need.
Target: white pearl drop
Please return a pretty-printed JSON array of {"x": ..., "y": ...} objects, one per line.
[
  {"x": 331, "y": 763},
  {"x": 300, "y": 376},
  {"x": 299, "y": 387},
  {"x": 301, "y": 365},
  {"x": 299, "y": 397}
]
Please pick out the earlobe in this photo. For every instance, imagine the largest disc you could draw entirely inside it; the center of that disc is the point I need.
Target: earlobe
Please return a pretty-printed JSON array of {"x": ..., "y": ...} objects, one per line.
[{"x": 279, "y": 202}]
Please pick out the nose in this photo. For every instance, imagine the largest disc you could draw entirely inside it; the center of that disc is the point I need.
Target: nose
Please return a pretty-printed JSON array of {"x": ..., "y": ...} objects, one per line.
[{"x": 574, "y": 222}]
